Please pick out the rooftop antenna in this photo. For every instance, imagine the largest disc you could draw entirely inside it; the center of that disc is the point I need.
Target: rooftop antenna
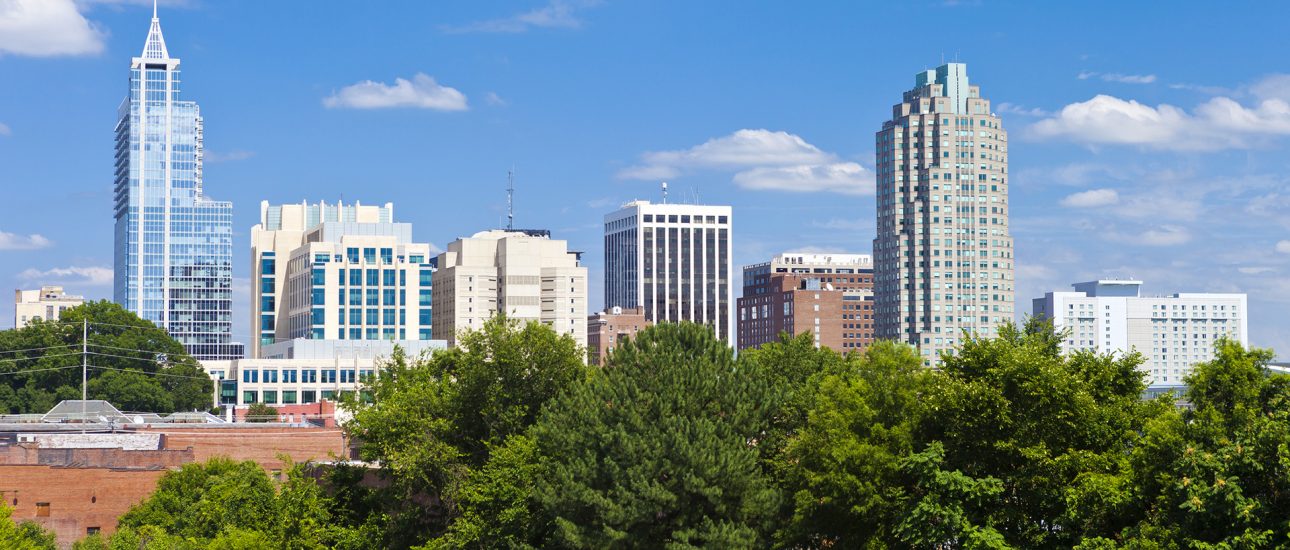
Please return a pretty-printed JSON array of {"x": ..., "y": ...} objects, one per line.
[
  {"x": 510, "y": 199},
  {"x": 664, "y": 192},
  {"x": 154, "y": 9}
]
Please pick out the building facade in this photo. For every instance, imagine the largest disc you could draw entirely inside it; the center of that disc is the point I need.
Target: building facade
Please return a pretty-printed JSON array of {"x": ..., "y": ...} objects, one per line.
[
  {"x": 1172, "y": 333},
  {"x": 607, "y": 329},
  {"x": 46, "y": 304},
  {"x": 338, "y": 272},
  {"x": 523, "y": 273},
  {"x": 673, "y": 260},
  {"x": 305, "y": 371},
  {"x": 943, "y": 255},
  {"x": 827, "y": 295},
  {"x": 173, "y": 254}
]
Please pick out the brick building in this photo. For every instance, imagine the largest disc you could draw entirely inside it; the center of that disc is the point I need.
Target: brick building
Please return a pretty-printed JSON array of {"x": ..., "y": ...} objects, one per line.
[
  {"x": 607, "y": 328},
  {"x": 76, "y": 477},
  {"x": 828, "y": 295}
]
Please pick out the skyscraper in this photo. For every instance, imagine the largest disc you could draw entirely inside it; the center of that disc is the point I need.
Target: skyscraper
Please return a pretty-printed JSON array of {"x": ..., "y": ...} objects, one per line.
[
  {"x": 173, "y": 257},
  {"x": 674, "y": 260},
  {"x": 943, "y": 256}
]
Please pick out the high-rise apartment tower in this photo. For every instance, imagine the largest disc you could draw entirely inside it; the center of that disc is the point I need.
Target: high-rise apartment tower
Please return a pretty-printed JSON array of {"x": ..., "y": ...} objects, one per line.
[
  {"x": 173, "y": 257},
  {"x": 943, "y": 256}
]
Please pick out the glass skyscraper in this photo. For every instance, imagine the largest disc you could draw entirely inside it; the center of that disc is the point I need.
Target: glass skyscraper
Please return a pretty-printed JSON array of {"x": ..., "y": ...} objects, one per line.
[{"x": 173, "y": 255}]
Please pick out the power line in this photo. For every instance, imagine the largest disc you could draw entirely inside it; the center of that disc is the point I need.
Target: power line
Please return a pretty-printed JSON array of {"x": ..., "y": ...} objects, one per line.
[
  {"x": 38, "y": 349},
  {"x": 39, "y": 370},
  {"x": 37, "y": 358},
  {"x": 150, "y": 373}
]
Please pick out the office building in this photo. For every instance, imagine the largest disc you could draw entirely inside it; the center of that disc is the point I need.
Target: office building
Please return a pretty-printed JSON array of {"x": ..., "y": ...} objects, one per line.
[
  {"x": 607, "y": 329},
  {"x": 305, "y": 371},
  {"x": 1171, "y": 332},
  {"x": 46, "y": 304},
  {"x": 829, "y": 296},
  {"x": 673, "y": 260},
  {"x": 338, "y": 272},
  {"x": 523, "y": 273},
  {"x": 943, "y": 256},
  {"x": 173, "y": 253}
]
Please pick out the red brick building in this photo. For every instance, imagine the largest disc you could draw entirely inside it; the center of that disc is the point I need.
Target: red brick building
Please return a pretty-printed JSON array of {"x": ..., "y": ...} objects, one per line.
[
  {"x": 76, "y": 478},
  {"x": 827, "y": 295},
  {"x": 607, "y": 328}
]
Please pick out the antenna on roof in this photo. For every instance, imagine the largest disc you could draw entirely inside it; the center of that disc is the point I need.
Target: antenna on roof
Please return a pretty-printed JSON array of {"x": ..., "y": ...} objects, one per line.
[
  {"x": 510, "y": 198},
  {"x": 664, "y": 192},
  {"x": 154, "y": 9}
]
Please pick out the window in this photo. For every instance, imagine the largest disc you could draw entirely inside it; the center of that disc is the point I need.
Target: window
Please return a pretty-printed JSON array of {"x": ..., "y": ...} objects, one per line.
[
  {"x": 42, "y": 509},
  {"x": 355, "y": 277},
  {"x": 373, "y": 277},
  {"x": 388, "y": 277},
  {"x": 426, "y": 276},
  {"x": 249, "y": 397},
  {"x": 369, "y": 255},
  {"x": 92, "y": 530},
  {"x": 373, "y": 296},
  {"x": 308, "y": 396},
  {"x": 289, "y": 397},
  {"x": 270, "y": 397},
  {"x": 387, "y": 255}
]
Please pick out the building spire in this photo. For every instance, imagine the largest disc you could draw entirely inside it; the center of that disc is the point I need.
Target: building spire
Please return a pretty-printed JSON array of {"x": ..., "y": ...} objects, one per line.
[{"x": 155, "y": 47}]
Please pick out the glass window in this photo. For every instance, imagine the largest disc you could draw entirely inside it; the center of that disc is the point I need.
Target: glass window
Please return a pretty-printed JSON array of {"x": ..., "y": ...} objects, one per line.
[
  {"x": 268, "y": 267},
  {"x": 319, "y": 296},
  {"x": 388, "y": 315},
  {"x": 425, "y": 298},
  {"x": 373, "y": 296},
  {"x": 355, "y": 277},
  {"x": 355, "y": 296},
  {"x": 426, "y": 276},
  {"x": 369, "y": 255},
  {"x": 373, "y": 316},
  {"x": 308, "y": 396},
  {"x": 318, "y": 317},
  {"x": 373, "y": 277},
  {"x": 352, "y": 254},
  {"x": 388, "y": 277},
  {"x": 288, "y": 397},
  {"x": 249, "y": 397},
  {"x": 424, "y": 317},
  {"x": 387, "y": 297},
  {"x": 270, "y": 397},
  {"x": 387, "y": 255}
]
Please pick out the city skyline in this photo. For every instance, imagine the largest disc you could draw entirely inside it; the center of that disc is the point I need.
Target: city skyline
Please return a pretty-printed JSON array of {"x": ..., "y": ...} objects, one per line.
[{"x": 1187, "y": 198}]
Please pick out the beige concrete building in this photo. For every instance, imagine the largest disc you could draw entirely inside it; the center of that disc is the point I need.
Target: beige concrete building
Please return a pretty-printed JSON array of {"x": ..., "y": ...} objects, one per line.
[
  {"x": 943, "y": 256},
  {"x": 607, "y": 329},
  {"x": 46, "y": 304},
  {"x": 525, "y": 274},
  {"x": 337, "y": 272}
]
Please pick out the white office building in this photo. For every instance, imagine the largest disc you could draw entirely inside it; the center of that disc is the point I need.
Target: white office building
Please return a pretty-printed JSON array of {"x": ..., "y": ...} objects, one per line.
[
  {"x": 524, "y": 273},
  {"x": 303, "y": 371},
  {"x": 46, "y": 304},
  {"x": 338, "y": 272},
  {"x": 1171, "y": 332},
  {"x": 673, "y": 260}
]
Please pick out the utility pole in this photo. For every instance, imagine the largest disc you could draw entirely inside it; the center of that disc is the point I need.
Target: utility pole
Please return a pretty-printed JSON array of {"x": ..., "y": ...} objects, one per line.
[{"x": 85, "y": 334}]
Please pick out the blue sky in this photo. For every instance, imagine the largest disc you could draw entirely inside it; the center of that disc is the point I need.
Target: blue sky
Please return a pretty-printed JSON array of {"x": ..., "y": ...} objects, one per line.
[{"x": 1147, "y": 140}]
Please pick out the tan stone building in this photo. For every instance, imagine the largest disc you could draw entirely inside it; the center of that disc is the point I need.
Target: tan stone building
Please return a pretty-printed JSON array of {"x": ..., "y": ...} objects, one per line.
[
  {"x": 943, "y": 256},
  {"x": 827, "y": 295},
  {"x": 46, "y": 304},
  {"x": 526, "y": 274},
  {"x": 606, "y": 330}
]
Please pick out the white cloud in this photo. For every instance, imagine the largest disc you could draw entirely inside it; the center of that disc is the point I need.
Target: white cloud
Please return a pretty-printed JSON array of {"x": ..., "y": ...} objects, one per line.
[
  {"x": 421, "y": 92},
  {"x": 1256, "y": 270},
  {"x": 231, "y": 156},
  {"x": 4, "y": 130},
  {"x": 1091, "y": 198},
  {"x": 1220, "y": 123},
  {"x": 1164, "y": 235},
  {"x": 88, "y": 276},
  {"x": 492, "y": 98},
  {"x": 14, "y": 241},
  {"x": 1117, "y": 77},
  {"x": 763, "y": 160},
  {"x": 44, "y": 28},
  {"x": 1283, "y": 247},
  {"x": 1014, "y": 109},
  {"x": 558, "y": 14},
  {"x": 848, "y": 178}
]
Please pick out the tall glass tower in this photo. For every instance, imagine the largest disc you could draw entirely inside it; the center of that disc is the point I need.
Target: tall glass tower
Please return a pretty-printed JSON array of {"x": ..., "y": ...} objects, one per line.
[
  {"x": 943, "y": 265},
  {"x": 173, "y": 255}
]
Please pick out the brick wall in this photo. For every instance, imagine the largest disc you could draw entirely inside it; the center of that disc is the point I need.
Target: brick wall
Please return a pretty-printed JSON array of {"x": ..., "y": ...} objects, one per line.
[{"x": 79, "y": 498}]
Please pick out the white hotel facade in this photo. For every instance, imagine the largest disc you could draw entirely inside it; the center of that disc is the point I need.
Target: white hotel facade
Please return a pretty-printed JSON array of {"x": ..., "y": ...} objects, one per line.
[{"x": 1173, "y": 333}]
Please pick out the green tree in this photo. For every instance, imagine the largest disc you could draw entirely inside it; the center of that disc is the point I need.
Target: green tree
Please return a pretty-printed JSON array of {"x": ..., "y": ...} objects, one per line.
[
  {"x": 1054, "y": 430},
  {"x": 260, "y": 412},
  {"x": 496, "y": 502},
  {"x": 1217, "y": 473},
  {"x": 40, "y": 364},
  {"x": 23, "y": 536},
  {"x": 658, "y": 448},
  {"x": 201, "y": 500},
  {"x": 844, "y": 468},
  {"x": 431, "y": 421}
]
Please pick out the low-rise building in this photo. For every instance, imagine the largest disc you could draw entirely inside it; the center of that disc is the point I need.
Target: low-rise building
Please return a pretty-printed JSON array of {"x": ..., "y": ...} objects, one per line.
[
  {"x": 304, "y": 371},
  {"x": 607, "y": 329},
  {"x": 827, "y": 295},
  {"x": 1172, "y": 333},
  {"x": 46, "y": 304},
  {"x": 77, "y": 469}
]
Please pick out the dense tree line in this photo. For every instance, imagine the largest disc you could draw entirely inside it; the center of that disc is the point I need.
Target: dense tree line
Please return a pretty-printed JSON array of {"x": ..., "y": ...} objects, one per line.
[
  {"x": 510, "y": 442},
  {"x": 40, "y": 364}
]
